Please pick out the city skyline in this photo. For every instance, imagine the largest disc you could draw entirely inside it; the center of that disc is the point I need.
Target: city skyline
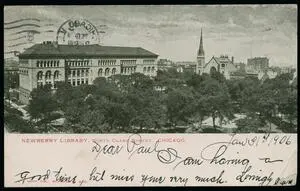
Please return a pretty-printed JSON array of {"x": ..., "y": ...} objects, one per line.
[{"x": 173, "y": 31}]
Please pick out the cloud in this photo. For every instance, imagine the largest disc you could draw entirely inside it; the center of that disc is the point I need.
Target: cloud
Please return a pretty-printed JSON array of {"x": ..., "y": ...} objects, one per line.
[{"x": 173, "y": 31}]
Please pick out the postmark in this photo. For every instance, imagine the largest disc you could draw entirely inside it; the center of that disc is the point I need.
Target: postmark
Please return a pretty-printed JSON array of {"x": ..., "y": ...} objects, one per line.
[{"x": 77, "y": 32}]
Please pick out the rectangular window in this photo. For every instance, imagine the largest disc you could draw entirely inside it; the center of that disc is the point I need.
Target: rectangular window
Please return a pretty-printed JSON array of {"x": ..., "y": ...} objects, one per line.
[
  {"x": 78, "y": 82},
  {"x": 82, "y": 81},
  {"x": 74, "y": 73},
  {"x": 74, "y": 83},
  {"x": 86, "y": 81},
  {"x": 69, "y": 81}
]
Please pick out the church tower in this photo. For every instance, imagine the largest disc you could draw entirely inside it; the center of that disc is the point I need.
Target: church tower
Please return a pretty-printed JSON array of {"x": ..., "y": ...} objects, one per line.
[{"x": 200, "y": 57}]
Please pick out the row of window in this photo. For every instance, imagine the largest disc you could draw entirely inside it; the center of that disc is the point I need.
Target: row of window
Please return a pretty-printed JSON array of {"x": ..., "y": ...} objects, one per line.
[
  {"x": 23, "y": 72},
  {"x": 78, "y": 73},
  {"x": 39, "y": 84},
  {"x": 79, "y": 81},
  {"x": 48, "y": 75},
  {"x": 106, "y": 62},
  {"x": 47, "y": 64},
  {"x": 149, "y": 69},
  {"x": 107, "y": 72},
  {"x": 128, "y": 70},
  {"x": 148, "y": 61},
  {"x": 128, "y": 62},
  {"x": 75, "y": 63}
]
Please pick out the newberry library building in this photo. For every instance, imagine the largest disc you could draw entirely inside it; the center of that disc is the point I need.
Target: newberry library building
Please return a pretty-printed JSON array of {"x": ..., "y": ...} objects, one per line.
[{"x": 50, "y": 62}]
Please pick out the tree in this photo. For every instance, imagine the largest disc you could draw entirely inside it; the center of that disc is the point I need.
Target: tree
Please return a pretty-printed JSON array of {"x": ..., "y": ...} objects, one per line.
[
  {"x": 42, "y": 102},
  {"x": 216, "y": 100},
  {"x": 178, "y": 103}
]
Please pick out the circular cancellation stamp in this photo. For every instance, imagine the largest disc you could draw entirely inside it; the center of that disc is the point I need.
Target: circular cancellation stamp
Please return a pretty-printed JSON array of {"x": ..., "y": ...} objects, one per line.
[{"x": 77, "y": 32}]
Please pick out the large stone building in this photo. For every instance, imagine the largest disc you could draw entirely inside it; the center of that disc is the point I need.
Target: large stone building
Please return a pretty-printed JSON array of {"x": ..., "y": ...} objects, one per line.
[{"x": 48, "y": 63}]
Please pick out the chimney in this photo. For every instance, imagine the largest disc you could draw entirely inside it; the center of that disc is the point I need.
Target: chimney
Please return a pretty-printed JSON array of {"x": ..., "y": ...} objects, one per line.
[{"x": 232, "y": 60}]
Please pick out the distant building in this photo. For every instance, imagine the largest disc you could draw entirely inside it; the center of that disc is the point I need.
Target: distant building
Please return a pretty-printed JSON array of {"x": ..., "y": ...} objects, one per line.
[
  {"x": 221, "y": 64},
  {"x": 287, "y": 69},
  {"x": 187, "y": 66},
  {"x": 258, "y": 63},
  {"x": 165, "y": 64},
  {"x": 267, "y": 74},
  {"x": 240, "y": 66},
  {"x": 238, "y": 74},
  {"x": 11, "y": 66}
]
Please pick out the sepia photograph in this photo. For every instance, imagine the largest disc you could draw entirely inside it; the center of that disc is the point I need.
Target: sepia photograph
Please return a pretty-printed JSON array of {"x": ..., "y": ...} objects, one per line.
[{"x": 150, "y": 69}]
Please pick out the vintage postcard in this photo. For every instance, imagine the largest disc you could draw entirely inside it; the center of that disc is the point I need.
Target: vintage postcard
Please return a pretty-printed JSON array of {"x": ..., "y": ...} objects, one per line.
[{"x": 150, "y": 95}]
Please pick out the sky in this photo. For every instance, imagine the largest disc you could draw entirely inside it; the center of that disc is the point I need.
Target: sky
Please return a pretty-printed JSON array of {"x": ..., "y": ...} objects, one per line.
[{"x": 172, "y": 31}]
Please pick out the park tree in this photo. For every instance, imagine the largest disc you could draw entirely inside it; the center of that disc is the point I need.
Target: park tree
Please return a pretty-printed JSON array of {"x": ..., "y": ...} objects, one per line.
[
  {"x": 216, "y": 100},
  {"x": 178, "y": 104},
  {"x": 42, "y": 102}
]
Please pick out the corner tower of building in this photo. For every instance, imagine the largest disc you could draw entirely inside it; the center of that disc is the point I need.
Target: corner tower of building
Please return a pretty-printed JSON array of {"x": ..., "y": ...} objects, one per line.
[{"x": 200, "y": 57}]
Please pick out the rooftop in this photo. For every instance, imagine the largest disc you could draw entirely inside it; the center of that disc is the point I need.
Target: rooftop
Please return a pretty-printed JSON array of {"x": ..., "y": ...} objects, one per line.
[{"x": 63, "y": 51}]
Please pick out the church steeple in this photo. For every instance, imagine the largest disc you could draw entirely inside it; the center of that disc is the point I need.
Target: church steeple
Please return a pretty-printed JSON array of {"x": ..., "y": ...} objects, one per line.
[
  {"x": 200, "y": 57},
  {"x": 201, "y": 50}
]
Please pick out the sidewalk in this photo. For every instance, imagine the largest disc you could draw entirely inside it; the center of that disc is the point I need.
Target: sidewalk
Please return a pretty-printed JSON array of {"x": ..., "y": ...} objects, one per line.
[{"x": 20, "y": 108}]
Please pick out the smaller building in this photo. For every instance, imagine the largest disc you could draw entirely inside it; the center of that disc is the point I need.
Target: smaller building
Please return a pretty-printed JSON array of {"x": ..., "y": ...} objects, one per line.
[
  {"x": 221, "y": 64},
  {"x": 240, "y": 66},
  {"x": 11, "y": 66},
  {"x": 267, "y": 74},
  {"x": 186, "y": 66},
  {"x": 165, "y": 64}
]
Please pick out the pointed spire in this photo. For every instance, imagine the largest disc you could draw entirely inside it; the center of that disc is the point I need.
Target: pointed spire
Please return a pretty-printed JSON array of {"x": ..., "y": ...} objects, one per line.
[{"x": 201, "y": 50}]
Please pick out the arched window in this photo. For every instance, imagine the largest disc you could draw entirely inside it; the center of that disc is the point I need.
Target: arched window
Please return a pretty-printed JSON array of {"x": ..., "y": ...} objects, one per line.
[
  {"x": 100, "y": 72},
  {"x": 113, "y": 72},
  {"x": 153, "y": 69},
  {"x": 48, "y": 75},
  {"x": 56, "y": 74},
  {"x": 213, "y": 70},
  {"x": 144, "y": 70},
  {"x": 106, "y": 71},
  {"x": 40, "y": 75},
  {"x": 149, "y": 69}
]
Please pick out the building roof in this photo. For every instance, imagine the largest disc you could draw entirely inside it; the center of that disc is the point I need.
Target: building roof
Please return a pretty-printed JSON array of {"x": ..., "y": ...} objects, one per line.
[
  {"x": 71, "y": 51},
  {"x": 221, "y": 60}
]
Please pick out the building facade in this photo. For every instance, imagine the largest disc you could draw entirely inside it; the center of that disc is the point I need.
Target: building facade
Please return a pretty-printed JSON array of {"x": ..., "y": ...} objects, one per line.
[
  {"x": 258, "y": 63},
  {"x": 220, "y": 64},
  {"x": 49, "y": 63}
]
